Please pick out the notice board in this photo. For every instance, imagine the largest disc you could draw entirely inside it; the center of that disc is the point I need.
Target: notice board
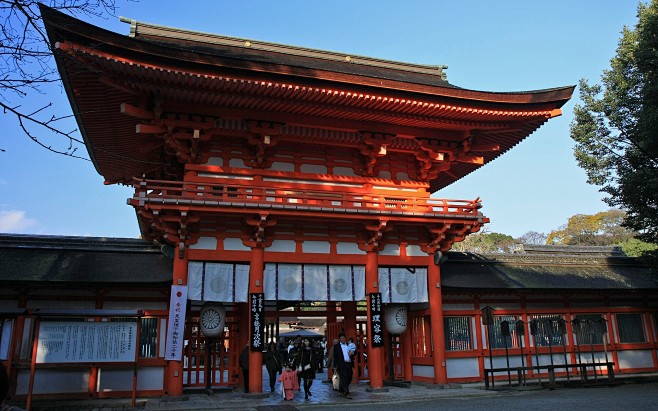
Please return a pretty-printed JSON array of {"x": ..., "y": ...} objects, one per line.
[{"x": 80, "y": 341}]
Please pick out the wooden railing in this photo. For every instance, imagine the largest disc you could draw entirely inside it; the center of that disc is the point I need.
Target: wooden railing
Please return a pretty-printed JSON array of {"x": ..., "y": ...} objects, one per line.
[{"x": 258, "y": 196}]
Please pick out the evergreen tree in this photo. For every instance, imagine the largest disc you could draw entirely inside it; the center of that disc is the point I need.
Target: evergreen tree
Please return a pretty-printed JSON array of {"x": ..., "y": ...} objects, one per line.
[{"x": 614, "y": 127}]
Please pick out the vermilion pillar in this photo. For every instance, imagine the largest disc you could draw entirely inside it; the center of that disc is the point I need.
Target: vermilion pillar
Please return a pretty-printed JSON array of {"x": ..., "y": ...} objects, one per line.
[
  {"x": 256, "y": 286},
  {"x": 406, "y": 344},
  {"x": 175, "y": 368},
  {"x": 375, "y": 371},
  {"x": 436, "y": 321}
]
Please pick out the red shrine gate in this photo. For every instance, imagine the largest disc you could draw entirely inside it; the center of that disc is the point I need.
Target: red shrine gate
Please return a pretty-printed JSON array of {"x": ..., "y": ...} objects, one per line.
[{"x": 293, "y": 166}]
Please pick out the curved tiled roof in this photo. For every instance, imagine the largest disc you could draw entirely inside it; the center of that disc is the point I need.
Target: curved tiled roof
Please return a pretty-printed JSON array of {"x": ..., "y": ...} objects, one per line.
[
  {"x": 98, "y": 260},
  {"x": 217, "y": 77},
  {"x": 548, "y": 268},
  {"x": 81, "y": 260}
]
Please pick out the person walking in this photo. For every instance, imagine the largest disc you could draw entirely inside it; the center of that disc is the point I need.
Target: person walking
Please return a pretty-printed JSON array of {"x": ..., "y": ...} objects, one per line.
[
  {"x": 305, "y": 362},
  {"x": 289, "y": 383},
  {"x": 331, "y": 365},
  {"x": 343, "y": 363},
  {"x": 273, "y": 363},
  {"x": 243, "y": 361}
]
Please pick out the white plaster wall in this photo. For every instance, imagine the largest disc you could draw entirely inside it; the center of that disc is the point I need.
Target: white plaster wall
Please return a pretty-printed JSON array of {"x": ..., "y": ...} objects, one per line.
[
  {"x": 8, "y": 304},
  {"x": 7, "y": 328},
  {"x": 349, "y": 248},
  {"x": 453, "y": 307},
  {"x": 282, "y": 246},
  {"x": 205, "y": 243},
  {"x": 462, "y": 367},
  {"x": 73, "y": 305},
  {"x": 501, "y": 362},
  {"x": 53, "y": 381},
  {"x": 137, "y": 305},
  {"x": 279, "y": 166},
  {"x": 235, "y": 244},
  {"x": 114, "y": 379},
  {"x": 501, "y": 306},
  {"x": 385, "y": 174},
  {"x": 635, "y": 359},
  {"x": 344, "y": 171},
  {"x": 544, "y": 305},
  {"x": 237, "y": 163},
  {"x": 415, "y": 251},
  {"x": 322, "y": 247},
  {"x": 422, "y": 371},
  {"x": 313, "y": 168},
  {"x": 391, "y": 249},
  {"x": 215, "y": 161}
]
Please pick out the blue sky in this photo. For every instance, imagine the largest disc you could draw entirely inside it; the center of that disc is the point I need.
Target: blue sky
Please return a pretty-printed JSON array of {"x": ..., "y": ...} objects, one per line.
[{"x": 487, "y": 45}]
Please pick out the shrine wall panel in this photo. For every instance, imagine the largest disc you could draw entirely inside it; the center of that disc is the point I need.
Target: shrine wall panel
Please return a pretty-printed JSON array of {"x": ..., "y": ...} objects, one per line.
[
  {"x": 635, "y": 359},
  {"x": 62, "y": 292},
  {"x": 282, "y": 246},
  {"x": 53, "y": 381},
  {"x": 148, "y": 378},
  {"x": 544, "y": 305},
  {"x": 458, "y": 307},
  {"x": 320, "y": 247},
  {"x": 137, "y": 305},
  {"x": 415, "y": 251},
  {"x": 235, "y": 244},
  {"x": 68, "y": 304},
  {"x": 462, "y": 367},
  {"x": 139, "y": 294},
  {"x": 8, "y": 304},
  {"x": 391, "y": 249},
  {"x": 349, "y": 248},
  {"x": 425, "y": 371},
  {"x": 205, "y": 243}
]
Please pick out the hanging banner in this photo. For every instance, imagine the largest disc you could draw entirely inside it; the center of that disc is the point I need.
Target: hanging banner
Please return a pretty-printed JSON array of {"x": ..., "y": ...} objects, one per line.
[
  {"x": 176, "y": 323},
  {"x": 257, "y": 308},
  {"x": 376, "y": 326}
]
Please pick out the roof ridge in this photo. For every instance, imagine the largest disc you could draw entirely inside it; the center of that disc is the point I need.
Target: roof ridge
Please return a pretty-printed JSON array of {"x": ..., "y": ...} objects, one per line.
[{"x": 138, "y": 28}]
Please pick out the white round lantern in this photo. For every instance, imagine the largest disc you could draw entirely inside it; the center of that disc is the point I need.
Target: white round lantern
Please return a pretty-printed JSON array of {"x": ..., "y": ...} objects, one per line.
[
  {"x": 212, "y": 319},
  {"x": 395, "y": 317}
]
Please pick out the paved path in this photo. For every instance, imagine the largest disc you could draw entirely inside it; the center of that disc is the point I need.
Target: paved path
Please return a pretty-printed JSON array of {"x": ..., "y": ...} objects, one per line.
[{"x": 323, "y": 397}]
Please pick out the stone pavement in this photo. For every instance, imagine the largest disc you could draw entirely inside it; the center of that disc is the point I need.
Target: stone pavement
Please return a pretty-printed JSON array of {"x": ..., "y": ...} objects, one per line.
[{"x": 322, "y": 396}]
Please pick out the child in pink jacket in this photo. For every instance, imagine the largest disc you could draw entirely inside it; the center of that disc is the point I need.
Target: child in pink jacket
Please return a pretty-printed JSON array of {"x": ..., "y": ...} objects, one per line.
[{"x": 289, "y": 383}]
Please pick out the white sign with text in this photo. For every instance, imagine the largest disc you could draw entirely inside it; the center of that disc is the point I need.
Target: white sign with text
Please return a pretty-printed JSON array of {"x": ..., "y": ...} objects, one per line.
[{"x": 74, "y": 342}]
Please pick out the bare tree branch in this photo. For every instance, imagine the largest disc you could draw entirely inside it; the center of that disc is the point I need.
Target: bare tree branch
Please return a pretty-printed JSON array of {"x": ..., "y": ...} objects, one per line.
[{"x": 27, "y": 64}]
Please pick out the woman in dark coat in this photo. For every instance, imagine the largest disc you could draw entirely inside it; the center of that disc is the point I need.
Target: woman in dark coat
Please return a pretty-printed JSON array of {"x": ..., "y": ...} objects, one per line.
[
  {"x": 306, "y": 362},
  {"x": 273, "y": 363}
]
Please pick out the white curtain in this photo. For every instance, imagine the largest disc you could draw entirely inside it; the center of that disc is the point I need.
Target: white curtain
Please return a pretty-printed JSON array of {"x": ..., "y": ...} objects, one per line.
[
  {"x": 340, "y": 283},
  {"x": 194, "y": 280},
  {"x": 402, "y": 285},
  {"x": 220, "y": 282},
  {"x": 315, "y": 282},
  {"x": 320, "y": 282},
  {"x": 289, "y": 282}
]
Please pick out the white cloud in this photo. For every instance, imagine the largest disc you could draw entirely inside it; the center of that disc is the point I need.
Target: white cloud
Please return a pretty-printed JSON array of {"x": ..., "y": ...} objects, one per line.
[{"x": 15, "y": 221}]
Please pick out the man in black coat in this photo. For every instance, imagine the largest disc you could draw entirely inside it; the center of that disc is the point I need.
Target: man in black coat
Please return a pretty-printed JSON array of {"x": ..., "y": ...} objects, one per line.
[{"x": 343, "y": 363}]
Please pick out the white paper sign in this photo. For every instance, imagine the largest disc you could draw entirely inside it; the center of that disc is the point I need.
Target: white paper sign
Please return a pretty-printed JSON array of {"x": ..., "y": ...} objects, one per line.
[
  {"x": 74, "y": 342},
  {"x": 176, "y": 324}
]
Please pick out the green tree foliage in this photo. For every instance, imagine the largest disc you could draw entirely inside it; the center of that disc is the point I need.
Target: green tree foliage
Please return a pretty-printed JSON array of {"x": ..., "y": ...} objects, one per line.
[
  {"x": 614, "y": 130},
  {"x": 603, "y": 229},
  {"x": 486, "y": 243},
  {"x": 637, "y": 248}
]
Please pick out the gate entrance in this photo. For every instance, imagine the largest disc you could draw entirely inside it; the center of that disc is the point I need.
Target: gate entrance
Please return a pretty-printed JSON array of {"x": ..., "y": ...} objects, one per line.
[{"x": 210, "y": 361}]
